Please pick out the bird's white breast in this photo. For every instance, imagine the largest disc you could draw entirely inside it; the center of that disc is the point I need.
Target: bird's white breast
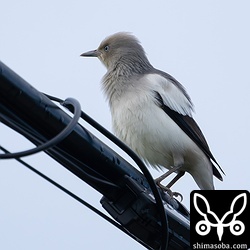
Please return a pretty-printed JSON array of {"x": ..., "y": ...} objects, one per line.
[{"x": 146, "y": 128}]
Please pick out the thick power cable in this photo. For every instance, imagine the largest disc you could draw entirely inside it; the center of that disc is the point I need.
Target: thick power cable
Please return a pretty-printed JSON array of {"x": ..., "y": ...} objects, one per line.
[
  {"x": 70, "y": 102},
  {"x": 55, "y": 140}
]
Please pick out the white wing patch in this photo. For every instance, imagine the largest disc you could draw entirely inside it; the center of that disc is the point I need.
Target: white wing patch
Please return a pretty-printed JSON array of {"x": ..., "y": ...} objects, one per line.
[{"x": 172, "y": 96}]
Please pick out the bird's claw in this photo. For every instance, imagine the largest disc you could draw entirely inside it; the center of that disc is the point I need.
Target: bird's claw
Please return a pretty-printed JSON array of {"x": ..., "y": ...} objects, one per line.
[
  {"x": 177, "y": 194},
  {"x": 170, "y": 192}
]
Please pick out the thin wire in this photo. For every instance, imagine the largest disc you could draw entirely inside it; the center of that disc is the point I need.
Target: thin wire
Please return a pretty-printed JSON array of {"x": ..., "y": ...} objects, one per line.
[
  {"x": 55, "y": 140},
  {"x": 83, "y": 202},
  {"x": 141, "y": 165}
]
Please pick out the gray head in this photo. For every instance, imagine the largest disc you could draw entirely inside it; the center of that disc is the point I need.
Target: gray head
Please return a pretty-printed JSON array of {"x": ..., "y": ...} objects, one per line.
[{"x": 121, "y": 49}]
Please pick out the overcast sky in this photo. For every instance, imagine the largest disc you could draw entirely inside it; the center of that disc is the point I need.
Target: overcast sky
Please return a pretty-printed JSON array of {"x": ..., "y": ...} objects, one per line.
[{"x": 203, "y": 44}]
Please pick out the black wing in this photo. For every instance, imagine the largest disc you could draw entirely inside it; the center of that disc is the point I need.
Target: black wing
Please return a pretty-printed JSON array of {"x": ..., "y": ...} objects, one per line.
[{"x": 190, "y": 127}]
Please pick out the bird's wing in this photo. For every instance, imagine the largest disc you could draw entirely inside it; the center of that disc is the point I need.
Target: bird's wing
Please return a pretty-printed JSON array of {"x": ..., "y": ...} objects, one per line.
[
  {"x": 176, "y": 103},
  {"x": 173, "y": 95}
]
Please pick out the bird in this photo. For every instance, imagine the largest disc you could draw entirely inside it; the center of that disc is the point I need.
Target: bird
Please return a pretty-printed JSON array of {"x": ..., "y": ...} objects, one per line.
[{"x": 153, "y": 114}]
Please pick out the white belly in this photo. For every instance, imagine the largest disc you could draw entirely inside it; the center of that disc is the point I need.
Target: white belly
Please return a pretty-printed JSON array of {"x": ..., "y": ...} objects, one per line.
[{"x": 151, "y": 133}]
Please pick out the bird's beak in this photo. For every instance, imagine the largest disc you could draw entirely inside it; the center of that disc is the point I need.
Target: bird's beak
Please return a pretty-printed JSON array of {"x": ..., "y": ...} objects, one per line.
[{"x": 92, "y": 53}]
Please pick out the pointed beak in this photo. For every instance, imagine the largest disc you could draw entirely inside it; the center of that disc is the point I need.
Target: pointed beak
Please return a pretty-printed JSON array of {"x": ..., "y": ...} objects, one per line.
[{"x": 92, "y": 53}]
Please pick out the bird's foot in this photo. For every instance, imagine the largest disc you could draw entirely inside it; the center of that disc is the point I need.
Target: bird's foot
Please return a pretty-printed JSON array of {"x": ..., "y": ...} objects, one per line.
[
  {"x": 170, "y": 192},
  {"x": 170, "y": 184}
]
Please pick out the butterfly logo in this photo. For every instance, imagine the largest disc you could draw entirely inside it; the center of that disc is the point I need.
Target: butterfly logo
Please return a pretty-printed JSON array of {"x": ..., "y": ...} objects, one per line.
[{"x": 210, "y": 219}]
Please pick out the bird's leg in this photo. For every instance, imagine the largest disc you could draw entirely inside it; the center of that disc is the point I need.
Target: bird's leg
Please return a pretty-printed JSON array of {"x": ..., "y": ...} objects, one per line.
[
  {"x": 165, "y": 175},
  {"x": 171, "y": 183},
  {"x": 176, "y": 178}
]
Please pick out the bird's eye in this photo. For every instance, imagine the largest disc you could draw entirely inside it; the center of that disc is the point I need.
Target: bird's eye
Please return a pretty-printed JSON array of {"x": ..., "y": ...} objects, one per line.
[{"x": 106, "y": 48}]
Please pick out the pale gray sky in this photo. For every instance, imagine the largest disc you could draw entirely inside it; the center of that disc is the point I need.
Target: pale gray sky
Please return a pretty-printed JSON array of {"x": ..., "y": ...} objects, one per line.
[{"x": 203, "y": 44}]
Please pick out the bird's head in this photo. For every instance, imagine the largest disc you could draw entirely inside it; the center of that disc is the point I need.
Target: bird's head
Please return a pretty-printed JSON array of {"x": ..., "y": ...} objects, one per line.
[{"x": 123, "y": 48}]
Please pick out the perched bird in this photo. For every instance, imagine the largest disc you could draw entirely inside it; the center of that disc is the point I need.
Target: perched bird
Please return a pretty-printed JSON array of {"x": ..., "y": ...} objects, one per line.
[{"x": 152, "y": 112}]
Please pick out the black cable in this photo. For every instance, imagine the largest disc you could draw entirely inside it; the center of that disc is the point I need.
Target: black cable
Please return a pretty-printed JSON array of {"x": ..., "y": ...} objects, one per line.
[
  {"x": 29, "y": 133},
  {"x": 55, "y": 140},
  {"x": 89, "y": 206},
  {"x": 141, "y": 165},
  {"x": 70, "y": 127}
]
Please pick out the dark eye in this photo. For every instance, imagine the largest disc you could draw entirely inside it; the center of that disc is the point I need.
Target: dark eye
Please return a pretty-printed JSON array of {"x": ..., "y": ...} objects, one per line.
[{"x": 106, "y": 48}]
